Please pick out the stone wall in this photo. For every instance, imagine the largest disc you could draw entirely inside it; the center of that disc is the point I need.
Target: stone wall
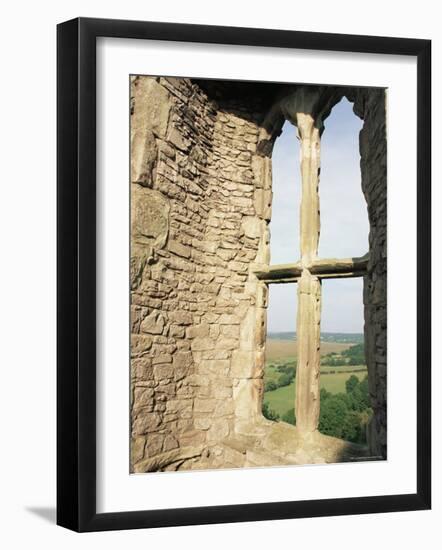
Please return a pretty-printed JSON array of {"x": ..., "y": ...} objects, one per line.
[
  {"x": 201, "y": 204},
  {"x": 370, "y": 105},
  {"x": 171, "y": 141}
]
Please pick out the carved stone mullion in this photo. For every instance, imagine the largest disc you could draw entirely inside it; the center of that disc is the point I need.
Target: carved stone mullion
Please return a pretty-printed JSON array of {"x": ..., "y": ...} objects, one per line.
[{"x": 309, "y": 286}]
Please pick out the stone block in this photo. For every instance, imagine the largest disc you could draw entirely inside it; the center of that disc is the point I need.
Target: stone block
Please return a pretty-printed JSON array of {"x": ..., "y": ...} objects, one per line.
[
  {"x": 221, "y": 392},
  {"x": 263, "y": 203},
  {"x": 218, "y": 430},
  {"x": 192, "y": 438},
  {"x": 252, "y": 226},
  {"x": 154, "y": 444},
  {"x": 149, "y": 121},
  {"x": 146, "y": 423},
  {"x": 182, "y": 359},
  {"x": 162, "y": 358},
  {"x": 137, "y": 449},
  {"x": 225, "y": 407},
  {"x": 227, "y": 319},
  {"x": 180, "y": 406},
  {"x": 242, "y": 364},
  {"x": 175, "y": 137},
  {"x": 220, "y": 367},
  {"x": 175, "y": 331},
  {"x": 204, "y": 405},
  {"x": 198, "y": 331},
  {"x": 144, "y": 155},
  {"x": 223, "y": 343},
  {"x": 202, "y": 344},
  {"x": 180, "y": 317},
  {"x": 163, "y": 371},
  {"x": 170, "y": 443},
  {"x": 151, "y": 106},
  {"x": 179, "y": 249},
  {"x": 231, "y": 331},
  {"x": 153, "y": 323},
  {"x": 139, "y": 344},
  {"x": 202, "y": 423},
  {"x": 143, "y": 397},
  {"x": 149, "y": 220}
]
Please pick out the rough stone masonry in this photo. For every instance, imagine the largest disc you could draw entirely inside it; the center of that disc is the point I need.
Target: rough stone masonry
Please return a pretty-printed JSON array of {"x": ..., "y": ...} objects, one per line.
[{"x": 201, "y": 194}]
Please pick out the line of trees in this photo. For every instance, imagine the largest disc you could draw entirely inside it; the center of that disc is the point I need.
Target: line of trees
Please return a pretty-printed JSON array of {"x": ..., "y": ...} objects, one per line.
[
  {"x": 354, "y": 355},
  {"x": 286, "y": 377}
]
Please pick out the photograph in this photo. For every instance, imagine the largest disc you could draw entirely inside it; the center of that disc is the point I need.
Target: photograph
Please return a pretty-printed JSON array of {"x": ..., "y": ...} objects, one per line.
[{"x": 258, "y": 274}]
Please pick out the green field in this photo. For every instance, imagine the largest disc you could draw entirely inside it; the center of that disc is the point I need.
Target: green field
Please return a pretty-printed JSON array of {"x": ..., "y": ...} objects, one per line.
[
  {"x": 283, "y": 399},
  {"x": 281, "y": 352}
]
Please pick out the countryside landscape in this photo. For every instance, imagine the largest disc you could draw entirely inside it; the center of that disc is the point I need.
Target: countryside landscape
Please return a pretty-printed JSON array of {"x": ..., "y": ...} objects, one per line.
[{"x": 345, "y": 404}]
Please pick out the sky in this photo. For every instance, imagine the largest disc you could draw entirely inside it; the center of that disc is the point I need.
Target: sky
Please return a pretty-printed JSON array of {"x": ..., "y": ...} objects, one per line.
[{"x": 344, "y": 221}]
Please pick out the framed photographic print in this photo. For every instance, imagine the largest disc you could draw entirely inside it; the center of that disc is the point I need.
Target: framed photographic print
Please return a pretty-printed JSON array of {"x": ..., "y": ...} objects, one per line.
[{"x": 243, "y": 274}]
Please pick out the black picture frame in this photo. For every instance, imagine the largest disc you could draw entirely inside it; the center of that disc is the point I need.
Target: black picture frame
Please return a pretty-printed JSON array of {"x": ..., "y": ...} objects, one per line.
[{"x": 76, "y": 274}]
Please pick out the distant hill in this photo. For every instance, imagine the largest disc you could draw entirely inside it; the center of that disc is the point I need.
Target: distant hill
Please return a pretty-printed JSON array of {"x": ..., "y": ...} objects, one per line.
[{"x": 339, "y": 337}]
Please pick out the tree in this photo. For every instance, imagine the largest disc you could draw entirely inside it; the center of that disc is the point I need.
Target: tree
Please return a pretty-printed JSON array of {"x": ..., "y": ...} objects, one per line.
[
  {"x": 285, "y": 380},
  {"x": 270, "y": 386},
  {"x": 352, "y": 428},
  {"x": 332, "y": 416},
  {"x": 351, "y": 384},
  {"x": 356, "y": 354},
  {"x": 289, "y": 417},
  {"x": 324, "y": 394},
  {"x": 345, "y": 415},
  {"x": 287, "y": 369},
  {"x": 269, "y": 413}
]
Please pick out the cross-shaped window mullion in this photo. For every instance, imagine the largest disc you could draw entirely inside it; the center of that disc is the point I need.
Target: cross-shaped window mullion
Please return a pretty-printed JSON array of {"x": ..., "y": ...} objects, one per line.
[{"x": 308, "y": 273}]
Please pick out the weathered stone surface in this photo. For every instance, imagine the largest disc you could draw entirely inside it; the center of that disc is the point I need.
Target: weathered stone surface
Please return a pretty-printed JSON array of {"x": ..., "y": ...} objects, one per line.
[
  {"x": 152, "y": 107},
  {"x": 149, "y": 121},
  {"x": 202, "y": 343},
  {"x": 204, "y": 405},
  {"x": 140, "y": 344},
  {"x": 161, "y": 461},
  {"x": 149, "y": 228},
  {"x": 262, "y": 172},
  {"x": 182, "y": 359},
  {"x": 308, "y": 334},
  {"x": 143, "y": 396},
  {"x": 153, "y": 323},
  {"x": 144, "y": 158},
  {"x": 242, "y": 364},
  {"x": 198, "y": 331},
  {"x": 246, "y": 397},
  {"x": 179, "y": 249},
  {"x": 252, "y": 227},
  {"x": 218, "y": 430},
  {"x": 145, "y": 423},
  {"x": 149, "y": 215},
  {"x": 180, "y": 317},
  {"x": 263, "y": 203}
]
